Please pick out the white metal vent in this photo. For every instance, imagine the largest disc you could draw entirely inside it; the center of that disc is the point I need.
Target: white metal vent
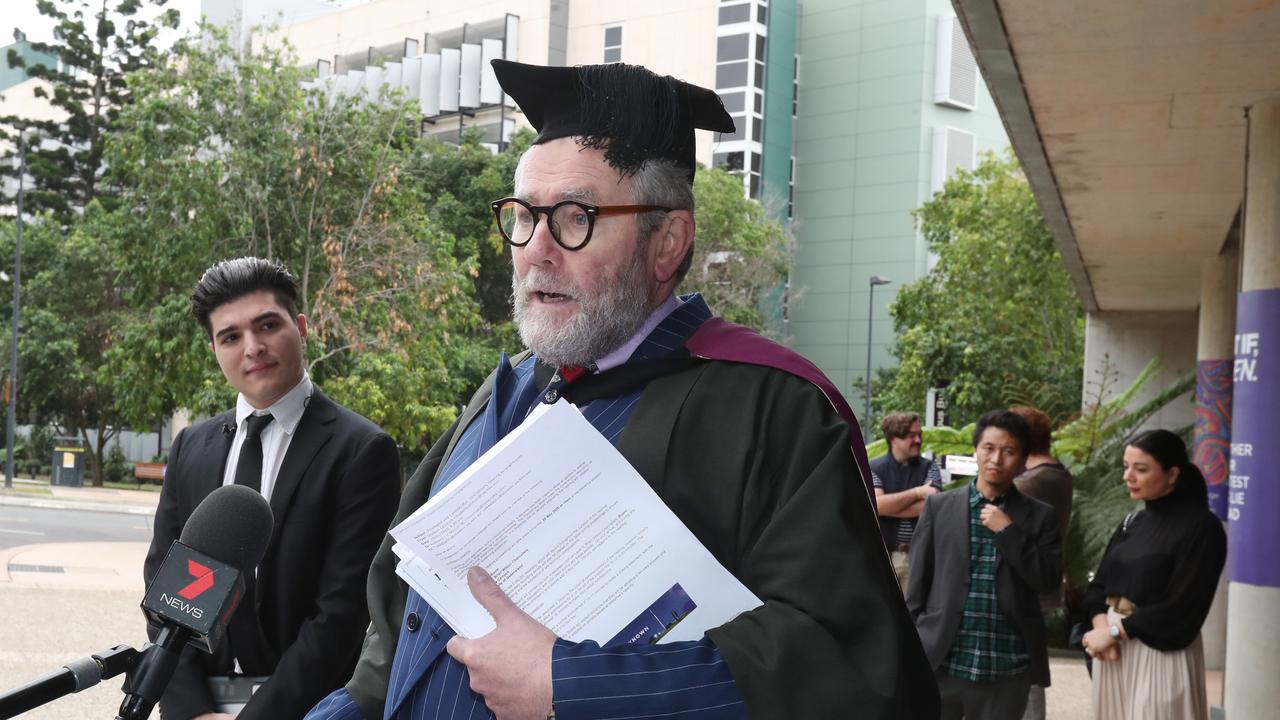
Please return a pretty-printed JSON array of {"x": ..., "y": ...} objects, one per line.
[
  {"x": 956, "y": 79},
  {"x": 447, "y": 81},
  {"x": 952, "y": 149}
]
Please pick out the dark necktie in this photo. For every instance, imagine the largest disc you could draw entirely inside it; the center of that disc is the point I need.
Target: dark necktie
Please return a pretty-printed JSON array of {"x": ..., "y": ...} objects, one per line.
[
  {"x": 249, "y": 466},
  {"x": 243, "y": 631}
]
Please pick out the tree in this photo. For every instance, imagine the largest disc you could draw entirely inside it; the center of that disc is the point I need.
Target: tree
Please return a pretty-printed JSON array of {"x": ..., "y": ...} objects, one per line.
[
  {"x": 97, "y": 44},
  {"x": 997, "y": 315},
  {"x": 72, "y": 312},
  {"x": 740, "y": 253},
  {"x": 456, "y": 184},
  {"x": 225, "y": 153}
]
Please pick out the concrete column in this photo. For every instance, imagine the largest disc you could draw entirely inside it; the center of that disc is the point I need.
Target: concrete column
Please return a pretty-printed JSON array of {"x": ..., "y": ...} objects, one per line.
[
  {"x": 1253, "y": 625},
  {"x": 1214, "y": 355}
]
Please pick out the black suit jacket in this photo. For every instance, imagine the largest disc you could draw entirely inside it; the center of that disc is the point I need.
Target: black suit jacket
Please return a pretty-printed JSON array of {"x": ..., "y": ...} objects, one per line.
[
  {"x": 1029, "y": 562},
  {"x": 333, "y": 501}
]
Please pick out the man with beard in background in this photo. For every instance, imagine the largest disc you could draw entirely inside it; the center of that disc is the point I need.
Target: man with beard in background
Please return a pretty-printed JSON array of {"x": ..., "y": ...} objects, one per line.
[{"x": 746, "y": 442}]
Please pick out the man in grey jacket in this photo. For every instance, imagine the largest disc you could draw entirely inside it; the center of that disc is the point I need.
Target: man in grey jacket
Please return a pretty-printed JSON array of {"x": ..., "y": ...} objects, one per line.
[{"x": 980, "y": 558}]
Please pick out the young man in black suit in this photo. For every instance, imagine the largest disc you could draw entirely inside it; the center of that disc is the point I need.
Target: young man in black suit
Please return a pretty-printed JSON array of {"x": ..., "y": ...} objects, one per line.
[
  {"x": 981, "y": 556},
  {"x": 332, "y": 479}
]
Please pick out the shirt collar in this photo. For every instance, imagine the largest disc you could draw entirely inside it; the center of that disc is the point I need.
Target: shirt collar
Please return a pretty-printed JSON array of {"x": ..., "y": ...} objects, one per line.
[
  {"x": 287, "y": 411},
  {"x": 976, "y": 498},
  {"x": 623, "y": 353}
]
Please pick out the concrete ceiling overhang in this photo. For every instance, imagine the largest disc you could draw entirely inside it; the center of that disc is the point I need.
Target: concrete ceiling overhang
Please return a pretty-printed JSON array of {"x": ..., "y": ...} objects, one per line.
[{"x": 1129, "y": 119}]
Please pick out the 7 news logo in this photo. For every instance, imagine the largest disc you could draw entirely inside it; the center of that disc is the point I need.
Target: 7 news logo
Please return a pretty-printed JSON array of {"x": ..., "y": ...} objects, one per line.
[{"x": 203, "y": 581}]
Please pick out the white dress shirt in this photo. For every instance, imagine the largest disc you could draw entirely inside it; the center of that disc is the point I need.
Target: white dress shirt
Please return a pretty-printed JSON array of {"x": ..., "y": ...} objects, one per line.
[{"x": 276, "y": 436}]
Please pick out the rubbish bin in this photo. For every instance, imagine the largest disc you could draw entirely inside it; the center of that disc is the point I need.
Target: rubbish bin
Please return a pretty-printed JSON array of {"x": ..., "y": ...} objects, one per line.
[{"x": 68, "y": 465}]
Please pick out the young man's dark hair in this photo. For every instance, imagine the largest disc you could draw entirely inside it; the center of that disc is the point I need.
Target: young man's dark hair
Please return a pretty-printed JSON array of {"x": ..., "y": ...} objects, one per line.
[
  {"x": 1007, "y": 421},
  {"x": 231, "y": 279},
  {"x": 898, "y": 424},
  {"x": 1039, "y": 424}
]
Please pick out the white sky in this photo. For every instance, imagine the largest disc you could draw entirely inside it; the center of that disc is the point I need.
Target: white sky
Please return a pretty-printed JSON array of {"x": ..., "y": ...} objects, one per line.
[{"x": 23, "y": 14}]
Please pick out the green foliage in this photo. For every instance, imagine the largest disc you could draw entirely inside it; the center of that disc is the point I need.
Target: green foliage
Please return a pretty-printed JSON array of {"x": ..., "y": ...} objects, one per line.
[
  {"x": 1092, "y": 447},
  {"x": 1105, "y": 418},
  {"x": 740, "y": 254},
  {"x": 73, "y": 310},
  {"x": 456, "y": 184},
  {"x": 39, "y": 445},
  {"x": 224, "y": 153},
  {"x": 97, "y": 45},
  {"x": 212, "y": 152},
  {"x": 997, "y": 315},
  {"x": 117, "y": 467},
  {"x": 940, "y": 441}
]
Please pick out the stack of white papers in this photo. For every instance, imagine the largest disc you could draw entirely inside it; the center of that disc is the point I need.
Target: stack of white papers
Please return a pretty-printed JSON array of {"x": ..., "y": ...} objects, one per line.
[{"x": 573, "y": 535}]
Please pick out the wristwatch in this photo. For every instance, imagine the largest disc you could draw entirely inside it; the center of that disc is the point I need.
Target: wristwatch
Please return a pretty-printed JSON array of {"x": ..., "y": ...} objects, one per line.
[{"x": 1115, "y": 631}]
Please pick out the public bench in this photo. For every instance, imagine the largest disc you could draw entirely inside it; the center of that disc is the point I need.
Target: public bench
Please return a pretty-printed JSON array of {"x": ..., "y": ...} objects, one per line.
[{"x": 149, "y": 471}]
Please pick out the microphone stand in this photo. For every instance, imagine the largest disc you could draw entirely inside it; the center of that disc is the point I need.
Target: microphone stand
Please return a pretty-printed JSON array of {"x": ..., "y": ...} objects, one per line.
[
  {"x": 72, "y": 678},
  {"x": 146, "y": 684}
]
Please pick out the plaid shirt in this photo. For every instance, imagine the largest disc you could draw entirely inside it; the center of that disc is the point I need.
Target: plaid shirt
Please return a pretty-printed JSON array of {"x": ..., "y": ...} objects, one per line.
[{"x": 987, "y": 646}]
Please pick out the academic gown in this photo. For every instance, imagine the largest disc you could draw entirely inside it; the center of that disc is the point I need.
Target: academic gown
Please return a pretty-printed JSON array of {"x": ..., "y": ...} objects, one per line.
[{"x": 757, "y": 462}]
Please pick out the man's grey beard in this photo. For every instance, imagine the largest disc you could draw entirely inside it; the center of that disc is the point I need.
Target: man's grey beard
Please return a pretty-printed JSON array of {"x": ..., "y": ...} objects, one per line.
[{"x": 608, "y": 314}]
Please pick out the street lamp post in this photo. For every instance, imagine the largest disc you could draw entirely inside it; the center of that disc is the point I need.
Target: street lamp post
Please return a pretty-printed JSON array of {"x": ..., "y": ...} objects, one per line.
[
  {"x": 871, "y": 291},
  {"x": 17, "y": 297}
]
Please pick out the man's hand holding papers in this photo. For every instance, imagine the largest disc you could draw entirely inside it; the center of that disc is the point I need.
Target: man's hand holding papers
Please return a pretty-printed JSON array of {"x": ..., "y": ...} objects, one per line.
[
  {"x": 511, "y": 666},
  {"x": 572, "y": 535}
]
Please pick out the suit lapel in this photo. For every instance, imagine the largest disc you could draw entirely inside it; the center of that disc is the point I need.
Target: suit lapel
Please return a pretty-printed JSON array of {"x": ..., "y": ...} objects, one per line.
[
  {"x": 958, "y": 540},
  {"x": 313, "y": 431},
  {"x": 217, "y": 446}
]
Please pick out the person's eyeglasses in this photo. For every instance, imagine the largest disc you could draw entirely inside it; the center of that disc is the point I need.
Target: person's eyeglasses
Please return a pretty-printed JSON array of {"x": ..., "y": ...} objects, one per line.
[{"x": 570, "y": 221}]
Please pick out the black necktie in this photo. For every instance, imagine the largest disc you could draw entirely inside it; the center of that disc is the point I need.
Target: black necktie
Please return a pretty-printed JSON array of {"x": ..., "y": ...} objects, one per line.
[
  {"x": 249, "y": 466},
  {"x": 244, "y": 631}
]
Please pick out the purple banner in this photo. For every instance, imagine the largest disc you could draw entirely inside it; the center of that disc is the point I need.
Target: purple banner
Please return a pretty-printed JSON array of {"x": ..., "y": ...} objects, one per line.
[
  {"x": 1253, "y": 499},
  {"x": 1213, "y": 429}
]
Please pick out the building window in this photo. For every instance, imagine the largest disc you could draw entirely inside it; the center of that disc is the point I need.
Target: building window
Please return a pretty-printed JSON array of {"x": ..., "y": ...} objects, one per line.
[
  {"x": 739, "y": 130},
  {"x": 795, "y": 87},
  {"x": 733, "y": 101},
  {"x": 735, "y": 14},
  {"x": 730, "y": 162},
  {"x": 791, "y": 189},
  {"x": 731, "y": 75},
  {"x": 732, "y": 47},
  {"x": 613, "y": 44}
]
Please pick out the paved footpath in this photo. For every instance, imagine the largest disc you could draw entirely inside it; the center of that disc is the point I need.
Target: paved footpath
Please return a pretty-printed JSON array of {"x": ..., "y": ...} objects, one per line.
[{"x": 64, "y": 601}]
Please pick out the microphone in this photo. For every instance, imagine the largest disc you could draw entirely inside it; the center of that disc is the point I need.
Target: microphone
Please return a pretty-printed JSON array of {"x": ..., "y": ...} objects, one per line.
[{"x": 198, "y": 587}]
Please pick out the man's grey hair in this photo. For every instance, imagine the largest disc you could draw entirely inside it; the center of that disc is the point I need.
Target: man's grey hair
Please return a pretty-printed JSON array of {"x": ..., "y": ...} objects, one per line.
[
  {"x": 661, "y": 182},
  {"x": 657, "y": 182}
]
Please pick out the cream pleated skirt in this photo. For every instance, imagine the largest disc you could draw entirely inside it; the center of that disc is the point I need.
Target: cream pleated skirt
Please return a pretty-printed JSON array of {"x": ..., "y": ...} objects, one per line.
[{"x": 1147, "y": 684}]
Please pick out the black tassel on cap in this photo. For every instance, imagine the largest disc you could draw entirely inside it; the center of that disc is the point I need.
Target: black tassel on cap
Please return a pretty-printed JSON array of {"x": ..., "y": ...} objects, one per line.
[{"x": 629, "y": 112}]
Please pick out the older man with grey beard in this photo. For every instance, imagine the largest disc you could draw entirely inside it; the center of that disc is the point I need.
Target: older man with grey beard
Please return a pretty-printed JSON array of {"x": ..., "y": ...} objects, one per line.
[{"x": 747, "y": 443}]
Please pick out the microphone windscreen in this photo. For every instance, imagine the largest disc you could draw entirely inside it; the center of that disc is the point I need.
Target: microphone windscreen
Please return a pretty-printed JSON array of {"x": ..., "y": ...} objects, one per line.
[{"x": 233, "y": 524}]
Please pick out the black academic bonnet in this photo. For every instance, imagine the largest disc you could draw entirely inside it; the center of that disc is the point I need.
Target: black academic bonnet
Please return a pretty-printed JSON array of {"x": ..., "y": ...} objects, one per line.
[{"x": 630, "y": 112}]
